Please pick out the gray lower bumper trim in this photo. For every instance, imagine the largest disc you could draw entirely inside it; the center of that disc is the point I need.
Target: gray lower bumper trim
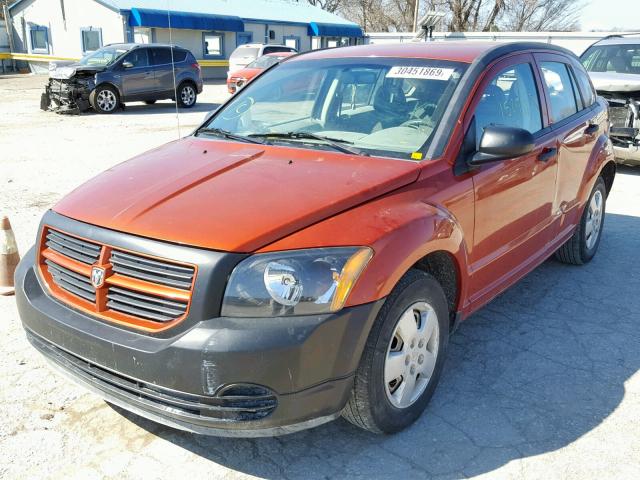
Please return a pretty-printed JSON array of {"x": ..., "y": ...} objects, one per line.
[{"x": 188, "y": 427}]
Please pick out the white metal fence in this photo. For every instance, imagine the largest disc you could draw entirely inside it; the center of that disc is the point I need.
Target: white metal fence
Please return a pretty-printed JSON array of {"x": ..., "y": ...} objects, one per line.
[{"x": 577, "y": 42}]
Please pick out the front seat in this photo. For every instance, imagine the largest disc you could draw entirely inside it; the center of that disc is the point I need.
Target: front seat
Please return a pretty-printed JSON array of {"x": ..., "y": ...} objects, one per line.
[
  {"x": 390, "y": 105},
  {"x": 490, "y": 109}
]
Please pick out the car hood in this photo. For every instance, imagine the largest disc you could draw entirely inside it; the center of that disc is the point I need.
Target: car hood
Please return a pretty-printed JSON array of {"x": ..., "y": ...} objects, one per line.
[
  {"x": 615, "y": 82},
  {"x": 230, "y": 196},
  {"x": 247, "y": 73},
  {"x": 63, "y": 72}
]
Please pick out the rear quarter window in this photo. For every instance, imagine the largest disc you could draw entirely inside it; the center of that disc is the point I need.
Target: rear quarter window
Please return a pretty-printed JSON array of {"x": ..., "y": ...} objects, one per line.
[{"x": 586, "y": 89}]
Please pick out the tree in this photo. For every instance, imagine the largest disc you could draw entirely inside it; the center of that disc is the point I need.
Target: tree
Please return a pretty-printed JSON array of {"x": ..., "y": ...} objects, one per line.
[
  {"x": 328, "y": 5},
  {"x": 539, "y": 15},
  {"x": 461, "y": 15}
]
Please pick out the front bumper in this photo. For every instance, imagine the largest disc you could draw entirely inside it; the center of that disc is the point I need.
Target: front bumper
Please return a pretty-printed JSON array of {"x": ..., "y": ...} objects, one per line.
[
  {"x": 629, "y": 155},
  {"x": 66, "y": 96},
  {"x": 219, "y": 376}
]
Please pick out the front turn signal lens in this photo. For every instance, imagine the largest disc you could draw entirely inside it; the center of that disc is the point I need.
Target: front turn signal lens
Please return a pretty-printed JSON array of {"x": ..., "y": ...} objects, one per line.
[{"x": 349, "y": 275}]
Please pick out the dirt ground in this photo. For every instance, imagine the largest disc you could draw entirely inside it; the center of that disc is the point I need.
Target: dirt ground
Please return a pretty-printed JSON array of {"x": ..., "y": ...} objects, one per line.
[{"x": 543, "y": 383}]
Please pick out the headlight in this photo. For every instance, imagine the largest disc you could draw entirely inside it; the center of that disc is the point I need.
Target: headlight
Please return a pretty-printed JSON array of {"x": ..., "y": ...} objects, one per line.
[{"x": 298, "y": 282}]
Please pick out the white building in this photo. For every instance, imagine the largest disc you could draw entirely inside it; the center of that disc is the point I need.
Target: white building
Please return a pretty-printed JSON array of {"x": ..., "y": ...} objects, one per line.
[{"x": 44, "y": 30}]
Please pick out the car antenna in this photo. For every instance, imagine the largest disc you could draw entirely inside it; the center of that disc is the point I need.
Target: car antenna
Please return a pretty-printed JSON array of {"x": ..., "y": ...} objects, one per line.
[{"x": 173, "y": 70}]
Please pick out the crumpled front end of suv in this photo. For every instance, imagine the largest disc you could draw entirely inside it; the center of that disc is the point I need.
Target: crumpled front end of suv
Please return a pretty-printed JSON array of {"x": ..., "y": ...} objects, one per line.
[
  {"x": 68, "y": 90},
  {"x": 623, "y": 94}
]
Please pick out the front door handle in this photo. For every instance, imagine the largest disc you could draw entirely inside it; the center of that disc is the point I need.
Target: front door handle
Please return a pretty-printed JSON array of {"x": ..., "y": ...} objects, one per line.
[
  {"x": 547, "y": 154},
  {"x": 592, "y": 129}
]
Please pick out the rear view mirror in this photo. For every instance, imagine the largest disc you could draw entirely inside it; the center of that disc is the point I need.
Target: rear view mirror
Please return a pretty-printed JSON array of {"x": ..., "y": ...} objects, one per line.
[
  {"x": 499, "y": 142},
  {"x": 126, "y": 64}
]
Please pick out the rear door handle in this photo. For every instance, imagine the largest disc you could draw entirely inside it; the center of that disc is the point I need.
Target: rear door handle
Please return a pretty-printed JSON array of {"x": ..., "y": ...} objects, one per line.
[
  {"x": 547, "y": 154},
  {"x": 592, "y": 129}
]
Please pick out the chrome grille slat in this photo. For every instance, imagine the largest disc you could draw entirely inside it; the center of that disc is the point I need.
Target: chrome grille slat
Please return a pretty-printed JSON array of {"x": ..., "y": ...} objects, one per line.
[
  {"x": 68, "y": 246},
  {"x": 71, "y": 281},
  {"x": 162, "y": 271},
  {"x": 71, "y": 240},
  {"x": 150, "y": 270},
  {"x": 137, "y": 312},
  {"x": 142, "y": 296},
  {"x": 145, "y": 306}
]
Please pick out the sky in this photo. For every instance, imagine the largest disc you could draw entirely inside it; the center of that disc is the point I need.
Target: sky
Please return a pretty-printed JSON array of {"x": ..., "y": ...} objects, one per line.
[{"x": 610, "y": 14}]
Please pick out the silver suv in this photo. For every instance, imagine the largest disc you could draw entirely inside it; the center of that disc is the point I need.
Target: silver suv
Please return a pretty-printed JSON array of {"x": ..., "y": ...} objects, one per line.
[
  {"x": 613, "y": 64},
  {"x": 124, "y": 72}
]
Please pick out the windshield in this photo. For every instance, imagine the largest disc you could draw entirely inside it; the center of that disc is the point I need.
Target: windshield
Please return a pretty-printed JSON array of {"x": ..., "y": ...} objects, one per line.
[
  {"x": 264, "y": 62},
  {"x": 104, "y": 56},
  {"x": 612, "y": 58},
  {"x": 378, "y": 106}
]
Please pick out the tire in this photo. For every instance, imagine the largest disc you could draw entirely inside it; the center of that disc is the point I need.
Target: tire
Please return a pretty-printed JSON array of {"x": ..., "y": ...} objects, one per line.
[
  {"x": 376, "y": 404},
  {"x": 187, "y": 95},
  {"x": 149, "y": 102},
  {"x": 582, "y": 246},
  {"x": 104, "y": 99}
]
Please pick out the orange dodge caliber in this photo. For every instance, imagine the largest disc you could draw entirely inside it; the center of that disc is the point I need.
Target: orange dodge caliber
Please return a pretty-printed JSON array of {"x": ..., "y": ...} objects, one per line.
[{"x": 308, "y": 250}]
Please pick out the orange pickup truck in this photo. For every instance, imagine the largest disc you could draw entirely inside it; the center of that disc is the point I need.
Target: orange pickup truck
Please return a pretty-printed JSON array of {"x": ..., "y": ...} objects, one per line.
[{"x": 307, "y": 252}]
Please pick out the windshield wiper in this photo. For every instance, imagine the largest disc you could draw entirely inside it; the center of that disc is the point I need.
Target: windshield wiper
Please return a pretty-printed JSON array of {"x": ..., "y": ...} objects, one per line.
[
  {"x": 231, "y": 136},
  {"x": 332, "y": 142}
]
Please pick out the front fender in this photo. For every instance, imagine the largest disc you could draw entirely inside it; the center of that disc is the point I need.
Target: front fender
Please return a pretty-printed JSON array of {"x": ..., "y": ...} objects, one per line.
[
  {"x": 401, "y": 229},
  {"x": 423, "y": 229}
]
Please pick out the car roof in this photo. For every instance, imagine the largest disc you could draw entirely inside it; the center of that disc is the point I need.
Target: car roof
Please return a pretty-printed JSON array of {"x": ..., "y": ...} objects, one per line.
[
  {"x": 617, "y": 40},
  {"x": 135, "y": 45},
  {"x": 465, "y": 51},
  {"x": 260, "y": 45}
]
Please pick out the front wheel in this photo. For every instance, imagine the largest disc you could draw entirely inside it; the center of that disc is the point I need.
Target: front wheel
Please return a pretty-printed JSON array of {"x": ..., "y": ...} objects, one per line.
[
  {"x": 403, "y": 357},
  {"x": 583, "y": 245},
  {"x": 187, "y": 95},
  {"x": 104, "y": 99}
]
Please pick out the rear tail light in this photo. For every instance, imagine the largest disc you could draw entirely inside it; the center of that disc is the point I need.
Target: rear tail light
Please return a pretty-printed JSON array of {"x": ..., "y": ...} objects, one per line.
[{"x": 196, "y": 66}]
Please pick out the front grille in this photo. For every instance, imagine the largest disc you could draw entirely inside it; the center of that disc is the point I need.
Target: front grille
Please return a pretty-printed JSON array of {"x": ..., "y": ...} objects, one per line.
[
  {"x": 619, "y": 116},
  {"x": 239, "y": 402},
  {"x": 154, "y": 271},
  {"x": 146, "y": 306},
  {"x": 80, "y": 250},
  {"x": 136, "y": 290},
  {"x": 71, "y": 281}
]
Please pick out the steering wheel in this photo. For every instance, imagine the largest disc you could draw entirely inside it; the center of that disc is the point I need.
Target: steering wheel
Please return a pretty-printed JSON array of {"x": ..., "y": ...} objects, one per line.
[{"x": 416, "y": 123}]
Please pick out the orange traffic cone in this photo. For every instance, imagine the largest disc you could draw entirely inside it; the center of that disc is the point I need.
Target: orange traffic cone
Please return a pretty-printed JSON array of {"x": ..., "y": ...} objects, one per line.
[{"x": 9, "y": 257}]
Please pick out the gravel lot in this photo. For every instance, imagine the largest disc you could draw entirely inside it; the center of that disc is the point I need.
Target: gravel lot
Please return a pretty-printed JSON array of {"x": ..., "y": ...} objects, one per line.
[{"x": 542, "y": 383}]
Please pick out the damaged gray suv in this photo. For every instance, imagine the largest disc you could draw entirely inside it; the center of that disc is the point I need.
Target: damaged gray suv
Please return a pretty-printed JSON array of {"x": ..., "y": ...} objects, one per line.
[
  {"x": 127, "y": 72},
  {"x": 613, "y": 64}
]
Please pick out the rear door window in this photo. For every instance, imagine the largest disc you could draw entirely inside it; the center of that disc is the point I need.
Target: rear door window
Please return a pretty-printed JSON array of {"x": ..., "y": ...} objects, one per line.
[
  {"x": 510, "y": 99},
  {"x": 557, "y": 81},
  {"x": 160, "y": 56}
]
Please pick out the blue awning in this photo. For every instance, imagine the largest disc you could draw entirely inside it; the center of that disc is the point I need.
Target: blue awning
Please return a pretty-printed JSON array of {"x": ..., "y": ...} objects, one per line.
[
  {"x": 143, "y": 17},
  {"x": 334, "y": 30}
]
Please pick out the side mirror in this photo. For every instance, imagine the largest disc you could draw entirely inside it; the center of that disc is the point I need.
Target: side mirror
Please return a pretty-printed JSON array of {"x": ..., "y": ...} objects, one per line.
[
  {"x": 499, "y": 142},
  {"x": 126, "y": 64}
]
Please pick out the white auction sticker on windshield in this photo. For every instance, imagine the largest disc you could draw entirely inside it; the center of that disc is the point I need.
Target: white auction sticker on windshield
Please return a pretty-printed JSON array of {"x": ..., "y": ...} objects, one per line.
[{"x": 424, "y": 73}]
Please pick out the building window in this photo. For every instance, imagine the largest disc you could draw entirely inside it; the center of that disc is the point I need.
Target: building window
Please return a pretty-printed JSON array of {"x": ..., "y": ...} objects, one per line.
[
  {"x": 333, "y": 42},
  {"x": 292, "y": 41},
  {"x": 213, "y": 45},
  {"x": 316, "y": 43},
  {"x": 39, "y": 38},
  {"x": 91, "y": 39},
  {"x": 243, "y": 38}
]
